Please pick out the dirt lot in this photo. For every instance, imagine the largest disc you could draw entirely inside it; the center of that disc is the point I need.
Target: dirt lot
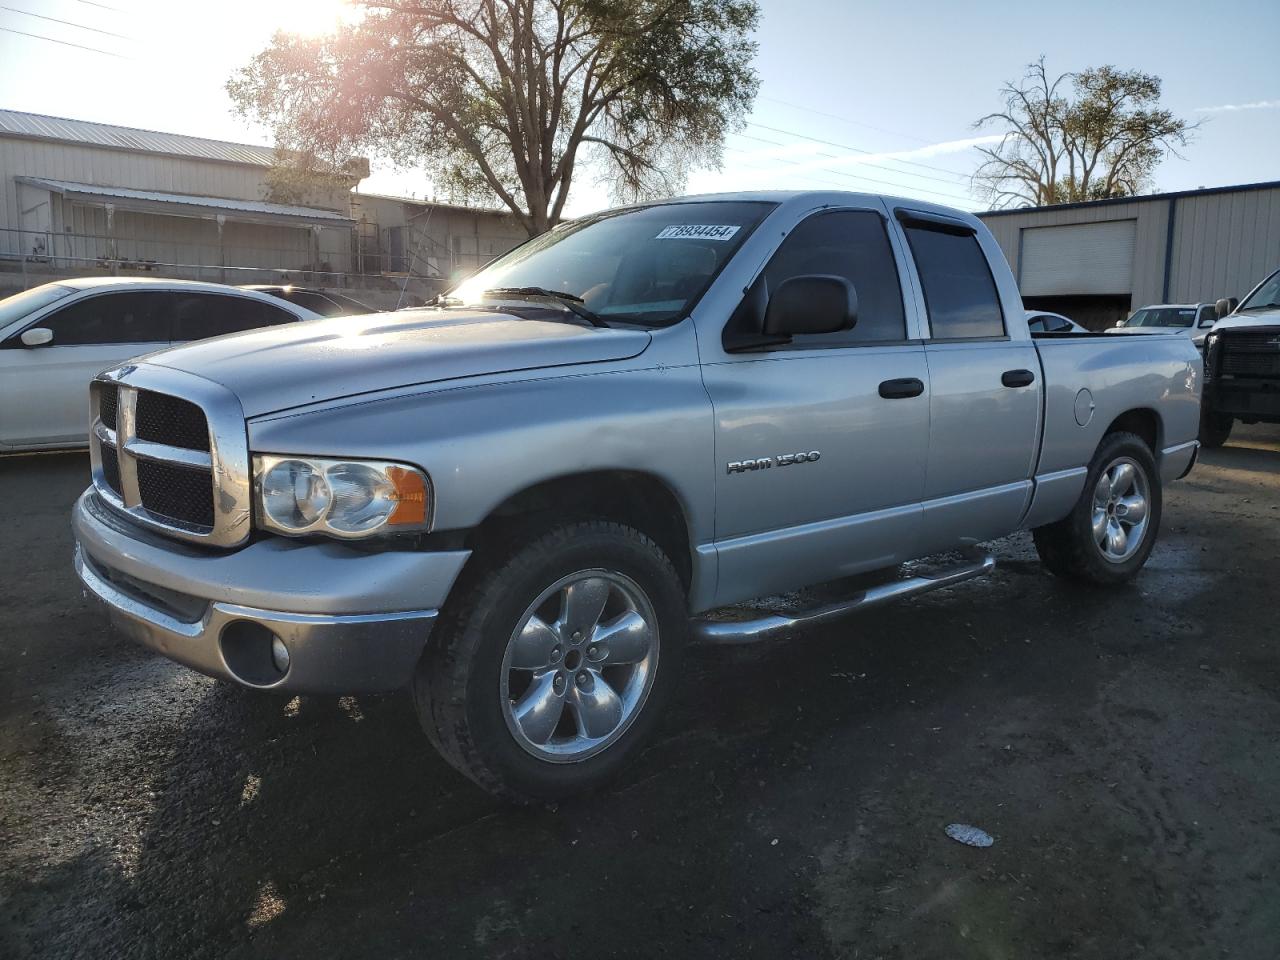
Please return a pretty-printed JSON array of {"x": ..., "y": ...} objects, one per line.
[{"x": 1122, "y": 747}]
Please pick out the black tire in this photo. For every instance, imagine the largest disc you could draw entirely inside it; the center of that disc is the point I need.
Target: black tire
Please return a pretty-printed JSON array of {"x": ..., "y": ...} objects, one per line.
[
  {"x": 1215, "y": 428},
  {"x": 457, "y": 687},
  {"x": 1068, "y": 549}
]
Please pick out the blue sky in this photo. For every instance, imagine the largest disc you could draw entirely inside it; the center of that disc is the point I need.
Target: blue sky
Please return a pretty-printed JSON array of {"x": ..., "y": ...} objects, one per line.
[{"x": 874, "y": 96}]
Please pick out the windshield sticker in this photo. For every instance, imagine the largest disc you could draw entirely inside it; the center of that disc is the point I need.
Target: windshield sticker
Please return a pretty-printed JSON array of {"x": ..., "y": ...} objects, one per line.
[{"x": 698, "y": 231}]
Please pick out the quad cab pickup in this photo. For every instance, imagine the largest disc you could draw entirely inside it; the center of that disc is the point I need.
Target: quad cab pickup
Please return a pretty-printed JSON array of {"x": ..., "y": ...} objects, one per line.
[
  {"x": 1242, "y": 364},
  {"x": 521, "y": 502}
]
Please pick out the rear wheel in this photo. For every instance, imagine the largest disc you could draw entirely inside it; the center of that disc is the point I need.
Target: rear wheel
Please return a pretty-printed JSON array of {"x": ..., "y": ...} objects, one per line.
[
  {"x": 555, "y": 665},
  {"x": 1215, "y": 428},
  {"x": 1112, "y": 529}
]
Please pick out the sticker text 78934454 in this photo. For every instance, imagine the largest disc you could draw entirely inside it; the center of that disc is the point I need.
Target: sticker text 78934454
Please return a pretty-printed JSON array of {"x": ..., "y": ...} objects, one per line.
[{"x": 698, "y": 231}]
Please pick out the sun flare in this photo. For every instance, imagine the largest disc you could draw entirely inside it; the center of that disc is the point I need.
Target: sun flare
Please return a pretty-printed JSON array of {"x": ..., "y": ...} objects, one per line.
[{"x": 310, "y": 18}]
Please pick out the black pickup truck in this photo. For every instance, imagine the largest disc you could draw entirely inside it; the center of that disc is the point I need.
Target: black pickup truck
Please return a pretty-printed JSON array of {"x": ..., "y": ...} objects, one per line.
[{"x": 1242, "y": 365}]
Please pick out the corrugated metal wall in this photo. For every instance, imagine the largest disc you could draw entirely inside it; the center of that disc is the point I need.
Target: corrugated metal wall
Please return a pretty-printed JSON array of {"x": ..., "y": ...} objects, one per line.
[
  {"x": 1222, "y": 243},
  {"x": 154, "y": 237}
]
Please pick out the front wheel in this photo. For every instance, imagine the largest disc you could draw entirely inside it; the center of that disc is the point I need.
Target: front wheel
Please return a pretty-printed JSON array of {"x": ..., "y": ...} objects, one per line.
[
  {"x": 1112, "y": 529},
  {"x": 554, "y": 665}
]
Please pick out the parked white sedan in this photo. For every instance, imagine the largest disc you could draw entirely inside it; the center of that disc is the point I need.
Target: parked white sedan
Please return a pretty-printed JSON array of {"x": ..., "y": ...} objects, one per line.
[
  {"x": 1041, "y": 321},
  {"x": 55, "y": 338}
]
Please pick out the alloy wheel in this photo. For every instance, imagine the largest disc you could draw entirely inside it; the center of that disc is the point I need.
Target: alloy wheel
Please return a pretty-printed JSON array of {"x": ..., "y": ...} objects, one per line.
[
  {"x": 1121, "y": 510},
  {"x": 579, "y": 665}
]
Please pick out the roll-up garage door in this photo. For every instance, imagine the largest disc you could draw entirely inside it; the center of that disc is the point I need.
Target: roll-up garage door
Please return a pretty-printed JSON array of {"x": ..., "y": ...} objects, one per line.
[{"x": 1080, "y": 258}]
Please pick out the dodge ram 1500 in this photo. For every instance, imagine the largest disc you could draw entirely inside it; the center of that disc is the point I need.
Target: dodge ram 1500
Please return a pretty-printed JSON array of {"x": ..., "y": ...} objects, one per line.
[{"x": 523, "y": 500}]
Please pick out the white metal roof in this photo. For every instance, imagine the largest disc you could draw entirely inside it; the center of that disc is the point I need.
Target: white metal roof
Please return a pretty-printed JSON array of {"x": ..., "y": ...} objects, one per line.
[
  {"x": 40, "y": 127},
  {"x": 181, "y": 203}
]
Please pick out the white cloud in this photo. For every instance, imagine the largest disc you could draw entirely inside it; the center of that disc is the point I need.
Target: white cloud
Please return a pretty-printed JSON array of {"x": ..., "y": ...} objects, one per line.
[
  {"x": 820, "y": 160},
  {"x": 1232, "y": 107},
  {"x": 937, "y": 149}
]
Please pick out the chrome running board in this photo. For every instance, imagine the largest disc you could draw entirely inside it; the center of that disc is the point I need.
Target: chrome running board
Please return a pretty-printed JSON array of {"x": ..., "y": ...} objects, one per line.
[{"x": 774, "y": 624}]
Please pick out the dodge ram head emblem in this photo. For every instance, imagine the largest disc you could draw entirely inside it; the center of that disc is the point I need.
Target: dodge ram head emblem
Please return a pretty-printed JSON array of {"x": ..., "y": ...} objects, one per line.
[{"x": 764, "y": 463}]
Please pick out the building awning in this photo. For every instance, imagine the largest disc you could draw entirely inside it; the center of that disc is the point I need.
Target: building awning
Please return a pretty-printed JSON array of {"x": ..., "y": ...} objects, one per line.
[{"x": 187, "y": 205}]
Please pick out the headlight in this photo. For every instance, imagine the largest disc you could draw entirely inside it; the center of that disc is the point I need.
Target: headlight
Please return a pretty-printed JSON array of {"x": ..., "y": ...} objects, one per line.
[{"x": 340, "y": 498}]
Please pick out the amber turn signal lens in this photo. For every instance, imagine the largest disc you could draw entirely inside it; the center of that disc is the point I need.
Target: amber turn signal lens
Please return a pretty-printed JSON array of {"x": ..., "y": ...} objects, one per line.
[{"x": 410, "y": 497}]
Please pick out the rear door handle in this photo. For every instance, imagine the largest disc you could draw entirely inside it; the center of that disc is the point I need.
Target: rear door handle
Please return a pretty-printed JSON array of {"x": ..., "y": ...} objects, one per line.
[
  {"x": 901, "y": 388},
  {"x": 1018, "y": 378}
]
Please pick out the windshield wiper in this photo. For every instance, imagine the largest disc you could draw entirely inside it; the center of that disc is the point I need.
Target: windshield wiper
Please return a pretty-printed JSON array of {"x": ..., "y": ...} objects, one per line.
[
  {"x": 570, "y": 301},
  {"x": 1257, "y": 306}
]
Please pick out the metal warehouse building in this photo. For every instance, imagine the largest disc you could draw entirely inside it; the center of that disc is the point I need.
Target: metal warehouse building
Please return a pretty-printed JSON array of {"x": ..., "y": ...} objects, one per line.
[
  {"x": 85, "y": 198},
  {"x": 1096, "y": 262},
  {"x": 77, "y": 194}
]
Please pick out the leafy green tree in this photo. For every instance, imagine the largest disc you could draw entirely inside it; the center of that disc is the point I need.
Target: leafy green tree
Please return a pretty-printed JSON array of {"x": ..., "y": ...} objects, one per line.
[
  {"x": 508, "y": 99},
  {"x": 1090, "y": 135}
]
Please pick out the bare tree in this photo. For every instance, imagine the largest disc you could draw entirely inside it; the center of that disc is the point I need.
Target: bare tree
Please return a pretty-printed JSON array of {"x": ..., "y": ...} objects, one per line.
[
  {"x": 1083, "y": 136},
  {"x": 503, "y": 99}
]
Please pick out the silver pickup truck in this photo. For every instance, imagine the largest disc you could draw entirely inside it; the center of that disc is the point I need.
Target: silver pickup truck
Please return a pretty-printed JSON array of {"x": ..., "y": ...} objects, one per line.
[{"x": 521, "y": 502}]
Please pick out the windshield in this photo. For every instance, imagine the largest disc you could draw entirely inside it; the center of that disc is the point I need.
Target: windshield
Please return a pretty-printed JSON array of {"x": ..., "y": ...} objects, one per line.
[
  {"x": 1163, "y": 317},
  {"x": 1267, "y": 295},
  {"x": 29, "y": 301},
  {"x": 646, "y": 265}
]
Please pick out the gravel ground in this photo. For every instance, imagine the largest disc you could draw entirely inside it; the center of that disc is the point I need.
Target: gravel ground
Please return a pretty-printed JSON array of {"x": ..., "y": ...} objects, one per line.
[{"x": 1121, "y": 747}]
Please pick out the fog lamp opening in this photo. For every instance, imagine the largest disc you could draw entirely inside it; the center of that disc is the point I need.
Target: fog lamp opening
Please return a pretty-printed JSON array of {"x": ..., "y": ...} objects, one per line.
[{"x": 253, "y": 654}]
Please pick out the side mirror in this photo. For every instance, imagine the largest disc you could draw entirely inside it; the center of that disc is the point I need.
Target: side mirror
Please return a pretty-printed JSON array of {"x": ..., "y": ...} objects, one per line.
[
  {"x": 811, "y": 304},
  {"x": 37, "y": 337},
  {"x": 1225, "y": 306}
]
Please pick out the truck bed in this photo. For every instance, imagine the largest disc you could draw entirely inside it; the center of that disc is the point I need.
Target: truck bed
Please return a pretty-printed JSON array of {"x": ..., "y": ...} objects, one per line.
[{"x": 1090, "y": 381}]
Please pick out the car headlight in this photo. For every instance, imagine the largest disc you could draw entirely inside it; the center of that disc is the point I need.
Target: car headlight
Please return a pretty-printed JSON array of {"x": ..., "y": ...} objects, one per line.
[{"x": 339, "y": 498}]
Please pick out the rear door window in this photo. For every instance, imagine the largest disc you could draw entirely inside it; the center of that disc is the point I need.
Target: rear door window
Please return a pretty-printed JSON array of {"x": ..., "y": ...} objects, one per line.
[
  {"x": 133, "y": 317},
  {"x": 959, "y": 290},
  {"x": 197, "y": 316}
]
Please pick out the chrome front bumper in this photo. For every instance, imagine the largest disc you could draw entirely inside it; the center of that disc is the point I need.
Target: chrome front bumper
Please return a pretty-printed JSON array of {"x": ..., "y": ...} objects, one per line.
[{"x": 340, "y": 614}]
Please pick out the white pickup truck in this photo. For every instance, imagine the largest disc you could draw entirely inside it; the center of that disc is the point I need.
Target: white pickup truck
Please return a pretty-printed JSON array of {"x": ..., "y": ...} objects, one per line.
[{"x": 521, "y": 502}]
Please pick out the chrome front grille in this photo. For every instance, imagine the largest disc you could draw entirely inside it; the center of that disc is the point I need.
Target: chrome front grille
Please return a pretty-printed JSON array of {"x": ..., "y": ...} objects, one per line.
[
  {"x": 108, "y": 397},
  {"x": 172, "y": 420},
  {"x": 180, "y": 494},
  {"x": 111, "y": 468},
  {"x": 169, "y": 449}
]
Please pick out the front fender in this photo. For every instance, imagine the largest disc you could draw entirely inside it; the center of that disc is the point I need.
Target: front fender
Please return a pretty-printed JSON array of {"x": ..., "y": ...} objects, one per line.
[{"x": 482, "y": 444}]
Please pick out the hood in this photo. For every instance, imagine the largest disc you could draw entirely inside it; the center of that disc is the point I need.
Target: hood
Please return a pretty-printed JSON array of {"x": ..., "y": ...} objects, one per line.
[
  {"x": 299, "y": 363},
  {"x": 1263, "y": 318}
]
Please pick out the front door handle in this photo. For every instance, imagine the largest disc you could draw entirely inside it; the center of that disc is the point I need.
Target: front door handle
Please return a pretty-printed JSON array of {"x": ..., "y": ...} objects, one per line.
[
  {"x": 1018, "y": 378},
  {"x": 901, "y": 388}
]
